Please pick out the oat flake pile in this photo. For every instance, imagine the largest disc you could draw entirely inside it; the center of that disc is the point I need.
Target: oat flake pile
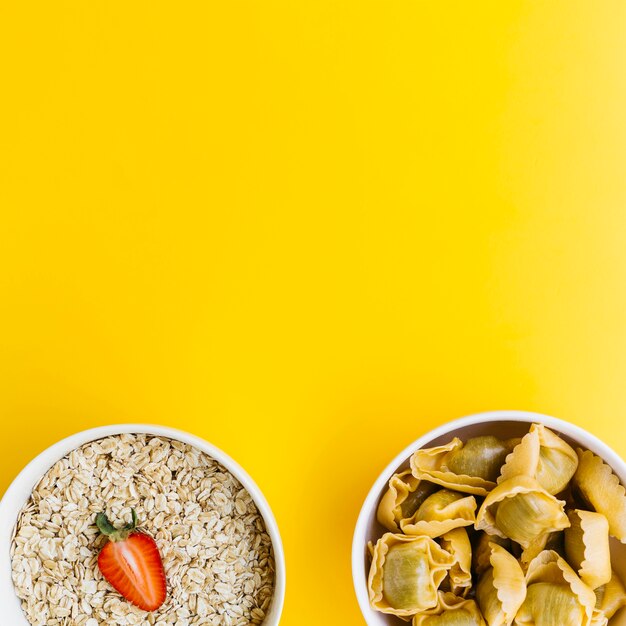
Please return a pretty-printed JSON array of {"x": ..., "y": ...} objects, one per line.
[{"x": 217, "y": 554}]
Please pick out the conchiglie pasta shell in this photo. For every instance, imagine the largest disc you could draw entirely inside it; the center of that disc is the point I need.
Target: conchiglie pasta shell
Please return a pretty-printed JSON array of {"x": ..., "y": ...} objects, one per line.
[
  {"x": 400, "y": 485},
  {"x": 429, "y": 464},
  {"x": 549, "y": 567},
  {"x": 549, "y": 604},
  {"x": 457, "y": 543},
  {"x": 544, "y": 456},
  {"x": 451, "y": 611},
  {"x": 502, "y": 589},
  {"x": 601, "y": 488},
  {"x": 587, "y": 547},
  {"x": 527, "y": 532},
  {"x": 439, "y": 514},
  {"x": 481, "y": 555},
  {"x": 403, "y": 487},
  {"x": 433, "y": 563}
]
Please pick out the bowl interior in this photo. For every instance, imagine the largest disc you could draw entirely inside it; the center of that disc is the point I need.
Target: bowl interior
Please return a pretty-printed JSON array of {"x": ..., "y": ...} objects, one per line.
[{"x": 503, "y": 429}]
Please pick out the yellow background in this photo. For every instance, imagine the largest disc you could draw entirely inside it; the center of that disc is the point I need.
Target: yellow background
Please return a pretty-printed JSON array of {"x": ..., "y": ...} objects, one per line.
[{"x": 309, "y": 231}]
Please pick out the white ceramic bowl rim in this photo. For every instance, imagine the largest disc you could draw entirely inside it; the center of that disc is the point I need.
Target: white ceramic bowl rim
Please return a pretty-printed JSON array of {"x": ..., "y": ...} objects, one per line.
[
  {"x": 369, "y": 506},
  {"x": 20, "y": 489}
]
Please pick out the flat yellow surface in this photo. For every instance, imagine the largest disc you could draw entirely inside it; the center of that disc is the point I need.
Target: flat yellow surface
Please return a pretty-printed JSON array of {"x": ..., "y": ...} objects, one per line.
[{"x": 309, "y": 231}]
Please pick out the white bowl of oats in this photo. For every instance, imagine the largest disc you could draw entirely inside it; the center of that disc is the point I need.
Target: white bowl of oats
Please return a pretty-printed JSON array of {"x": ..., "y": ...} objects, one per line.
[{"x": 216, "y": 534}]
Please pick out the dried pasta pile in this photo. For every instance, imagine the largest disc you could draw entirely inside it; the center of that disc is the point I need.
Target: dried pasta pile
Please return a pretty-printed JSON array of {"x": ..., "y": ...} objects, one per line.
[{"x": 539, "y": 516}]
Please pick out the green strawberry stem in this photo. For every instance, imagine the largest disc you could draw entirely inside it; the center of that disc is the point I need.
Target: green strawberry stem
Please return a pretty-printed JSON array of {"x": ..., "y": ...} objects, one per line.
[{"x": 116, "y": 534}]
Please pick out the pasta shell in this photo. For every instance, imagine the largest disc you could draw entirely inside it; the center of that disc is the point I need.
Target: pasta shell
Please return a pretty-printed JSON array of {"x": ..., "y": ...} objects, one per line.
[
  {"x": 471, "y": 467},
  {"x": 520, "y": 509},
  {"x": 548, "y": 604},
  {"x": 440, "y": 513},
  {"x": 587, "y": 547},
  {"x": 480, "y": 456},
  {"x": 610, "y": 598},
  {"x": 481, "y": 554},
  {"x": 451, "y": 611},
  {"x": 596, "y": 483},
  {"x": 406, "y": 573},
  {"x": 501, "y": 590},
  {"x": 457, "y": 543},
  {"x": 556, "y": 595},
  {"x": 544, "y": 456},
  {"x": 402, "y": 499}
]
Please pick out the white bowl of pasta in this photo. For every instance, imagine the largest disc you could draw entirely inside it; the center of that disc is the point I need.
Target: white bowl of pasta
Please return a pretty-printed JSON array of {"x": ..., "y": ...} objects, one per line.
[{"x": 552, "y": 547}]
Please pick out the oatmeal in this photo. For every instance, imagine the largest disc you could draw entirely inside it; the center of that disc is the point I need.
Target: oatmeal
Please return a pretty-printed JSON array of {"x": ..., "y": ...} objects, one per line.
[{"x": 216, "y": 552}]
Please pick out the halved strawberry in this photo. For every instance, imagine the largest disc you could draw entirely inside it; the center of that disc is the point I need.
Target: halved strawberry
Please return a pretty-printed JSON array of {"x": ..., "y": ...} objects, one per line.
[{"x": 131, "y": 562}]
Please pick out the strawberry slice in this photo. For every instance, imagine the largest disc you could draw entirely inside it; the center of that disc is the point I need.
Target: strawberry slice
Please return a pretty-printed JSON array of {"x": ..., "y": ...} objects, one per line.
[{"x": 131, "y": 562}]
